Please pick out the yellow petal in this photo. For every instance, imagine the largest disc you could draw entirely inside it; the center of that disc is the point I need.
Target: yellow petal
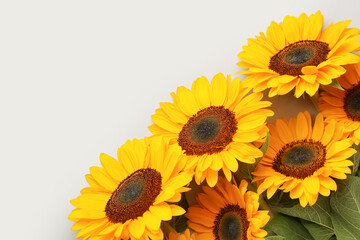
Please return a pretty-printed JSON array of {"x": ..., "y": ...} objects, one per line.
[
  {"x": 212, "y": 177},
  {"x": 276, "y": 35},
  {"x": 311, "y": 184},
  {"x": 162, "y": 211},
  {"x": 103, "y": 178},
  {"x": 173, "y": 112},
  {"x": 291, "y": 29},
  {"x": 201, "y": 90},
  {"x": 309, "y": 70},
  {"x": 176, "y": 210},
  {"x": 218, "y": 90},
  {"x": 151, "y": 221},
  {"x": 85, "y": 213},
  {"x": 301, "y": 127},
  {"x": 186, "y": 101},
  {"x": 113, "y": 167},
  {"x": 91, "y": 201},
  {"x": 165, "y": 123},
  {"x": 316, "y": 23},
  {"x": 230, "y": 161},
  {"x": 137, "y": 227},
  {"x": 217, "y": 162},
  {"x": 303, "y": 201},
  {"x": 318, "y": 127}
]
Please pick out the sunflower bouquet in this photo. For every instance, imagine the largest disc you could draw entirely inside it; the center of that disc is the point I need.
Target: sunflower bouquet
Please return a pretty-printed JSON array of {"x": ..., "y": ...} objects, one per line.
[{"x": 214, "y": 167}]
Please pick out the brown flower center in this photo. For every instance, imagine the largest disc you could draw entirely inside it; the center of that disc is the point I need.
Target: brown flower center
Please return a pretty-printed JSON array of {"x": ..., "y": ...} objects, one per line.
[
  {"x": 209, "y": 131},
  {"x": 352, "y": 103},
  {"x": 291, "y": 59},
  {"x": 300, "y": 159},
  {"x": 134, "y": 195},
  {"x": 231, "y": 224}
]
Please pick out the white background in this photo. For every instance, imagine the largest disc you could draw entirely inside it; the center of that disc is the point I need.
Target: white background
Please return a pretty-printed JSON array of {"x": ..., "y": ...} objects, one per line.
[{"x": 78, "y": 78}]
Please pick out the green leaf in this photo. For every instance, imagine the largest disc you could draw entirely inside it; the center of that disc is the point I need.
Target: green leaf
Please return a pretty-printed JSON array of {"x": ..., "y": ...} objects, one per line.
[
  {"x": 319, "y": 213},
  {"x": 317, "y": 231},
  {"x": 336, "y": 84},
  {"x": 285, "y": 202},
  {"x": 345, "y": 204},
  {"x": 167, "y": 228},
  {"x": 355, "y": 159},
  {"x": 275, "y": 238},
  {"x": 246, "y": 169},
  {"x": 179, "y": 222},
  {"x": 288, "y": 228},
  {"x": 265, "y": 145}
]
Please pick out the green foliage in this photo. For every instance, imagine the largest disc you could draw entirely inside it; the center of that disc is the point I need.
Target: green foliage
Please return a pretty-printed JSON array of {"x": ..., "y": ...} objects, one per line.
[
  {"x": 345, "y": 204},
  {"x": 317, "y": 231},
  {"x": 288, "y": 228},
  {"x": 275, "y": 238},
  {"x": 332, "y": 218},
  {"x": 282, "y": 199},
  {"x": 336, "y": 84},
  {"x": 319, "y": 213},
  {"x": 355, "y": 159},
  {"x": 179, "y": 222}
]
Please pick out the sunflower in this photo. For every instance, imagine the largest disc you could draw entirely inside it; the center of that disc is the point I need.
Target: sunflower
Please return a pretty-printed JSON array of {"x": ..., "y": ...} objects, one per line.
[
  {"x": 298, "y": 54},
  {"x": 129, "y": 198},
  {"x": 344, "y": 104},
  {"x": 179, "y": 236},
  {"x": 214, "y": 124},
  {"x": 302, "y": 159},
  {"x": 227, "y": 212}
]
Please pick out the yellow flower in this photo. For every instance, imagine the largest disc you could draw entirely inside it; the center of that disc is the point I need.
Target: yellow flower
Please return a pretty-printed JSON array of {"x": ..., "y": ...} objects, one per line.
[
  {"x": 214, "y": 124},
  {"x": 302, "y": 159},
  {"x": 129, "y": 198},
  {"x": 179, "y": 236},
  {"x": 344, "y": 104},
  {"x": 298, "y": 54},
  {"x": 227, "y": 212}
]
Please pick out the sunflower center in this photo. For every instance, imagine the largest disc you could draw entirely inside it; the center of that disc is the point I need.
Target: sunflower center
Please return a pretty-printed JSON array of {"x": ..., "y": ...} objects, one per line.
[
  {"x": 300, "y": 159},
  {"x": 209, "y": 131},
  {"x": 231, "y": 223},
  {"x": 352, "y": 103},
  {"x": 134, "y": 195},
  {"x": 291, "y": 59},
  {"x": 131, "y": 192},
  {"x": 205, "y": 130}
]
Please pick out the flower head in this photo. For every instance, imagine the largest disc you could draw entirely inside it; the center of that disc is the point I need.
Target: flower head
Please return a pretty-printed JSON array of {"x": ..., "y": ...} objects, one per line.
[
  {"x": 227, "y": 212},
  {"x": 303, "y": 160},
  {"x": 129, "y": 197},
  {"x": 215, "y": 125},
  {"x": 298, "y": 54},
  {"x": 343, "y": 105}
]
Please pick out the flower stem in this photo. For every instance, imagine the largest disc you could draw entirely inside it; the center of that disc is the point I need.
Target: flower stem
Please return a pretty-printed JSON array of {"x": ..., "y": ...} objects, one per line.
[
  {"x": 263, "y": 205},
  {"x": 279, "y": 199},
  {"x": 167, "y": 228}
]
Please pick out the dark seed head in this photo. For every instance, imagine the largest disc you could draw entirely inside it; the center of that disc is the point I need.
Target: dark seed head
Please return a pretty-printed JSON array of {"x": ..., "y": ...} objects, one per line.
[
  {"x": 231, "y": 223},
  {"x": 134, "y": 195},
  {"x": 352, "y": 103},
  {"x": 205, "y": 130},
  {"x": 291, "y": 59},
  {"x": 209, "y": 131},
  {"x": 300, "y": 159}
]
